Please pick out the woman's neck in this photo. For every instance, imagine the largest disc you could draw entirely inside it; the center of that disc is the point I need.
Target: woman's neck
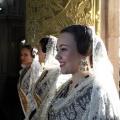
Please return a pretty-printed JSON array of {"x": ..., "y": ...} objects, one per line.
[{"x": 76, "y": 77}]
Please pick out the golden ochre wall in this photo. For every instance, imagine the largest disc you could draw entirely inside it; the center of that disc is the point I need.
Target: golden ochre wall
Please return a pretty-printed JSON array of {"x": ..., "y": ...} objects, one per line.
[{"x": 48, "y": 17}]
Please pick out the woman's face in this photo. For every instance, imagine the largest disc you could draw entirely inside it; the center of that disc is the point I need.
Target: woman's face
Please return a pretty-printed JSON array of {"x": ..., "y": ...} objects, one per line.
[
  {"x": 41, "y": 54},
  {"x": 68, "y": 55},
  {"x": 25, "y": 57}
]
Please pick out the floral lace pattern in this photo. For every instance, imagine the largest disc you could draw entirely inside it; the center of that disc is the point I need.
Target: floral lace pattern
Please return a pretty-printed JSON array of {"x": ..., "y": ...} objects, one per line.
[
  {"x": 45, "y": 89},
  {"x": 73, "y": 106},
  {"x": 82, "y": 104},
  {"x": 50, "y": 61},
  {"x": 26, "y": 84}
]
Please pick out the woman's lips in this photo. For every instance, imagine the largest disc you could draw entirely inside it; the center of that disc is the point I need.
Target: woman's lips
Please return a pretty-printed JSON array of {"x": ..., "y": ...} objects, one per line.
[{"x": 62, "y": 64}]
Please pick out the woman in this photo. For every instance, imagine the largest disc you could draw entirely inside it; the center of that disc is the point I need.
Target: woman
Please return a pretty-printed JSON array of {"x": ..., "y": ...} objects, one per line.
[
  {"x": 91, "y": 93},
  {"x": 48, "y": 83},
  {"x": 28, "y": 76}
]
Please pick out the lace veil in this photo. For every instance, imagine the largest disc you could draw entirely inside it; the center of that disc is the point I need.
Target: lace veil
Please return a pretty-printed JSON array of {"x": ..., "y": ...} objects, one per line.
[
  {"x": 103, "y": 71},
  {"x": 50, "y": 61}
]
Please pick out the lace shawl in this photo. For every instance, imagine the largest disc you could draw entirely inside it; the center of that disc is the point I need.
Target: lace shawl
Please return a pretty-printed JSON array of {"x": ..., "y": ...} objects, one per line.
[
  {"x": 82, "y": 104},
  {"x": 72, "y": 106},
  {"x": 26, "y": 85},
  {"x": 45, "y": 90}
]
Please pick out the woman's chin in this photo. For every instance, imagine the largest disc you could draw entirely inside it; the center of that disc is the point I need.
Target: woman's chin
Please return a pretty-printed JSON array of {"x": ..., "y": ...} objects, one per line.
[
  {"x": 23, "y": 63},
  {"x": 63, "y": 72}
]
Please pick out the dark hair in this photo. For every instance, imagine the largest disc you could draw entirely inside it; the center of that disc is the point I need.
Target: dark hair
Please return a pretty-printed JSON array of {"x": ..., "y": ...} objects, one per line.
[
  {"x": 82, "y": 36},
  {"x": 44, "y": 42},
  {"x": 30, "y": 48}
]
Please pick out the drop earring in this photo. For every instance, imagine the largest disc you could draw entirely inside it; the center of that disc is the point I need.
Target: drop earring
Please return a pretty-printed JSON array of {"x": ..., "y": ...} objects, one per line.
[{"x": 84, "y": 65}]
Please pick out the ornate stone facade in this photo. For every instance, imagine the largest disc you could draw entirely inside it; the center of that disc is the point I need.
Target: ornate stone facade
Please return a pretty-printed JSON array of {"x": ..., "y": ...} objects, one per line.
[{"x": 45, "y": 17}]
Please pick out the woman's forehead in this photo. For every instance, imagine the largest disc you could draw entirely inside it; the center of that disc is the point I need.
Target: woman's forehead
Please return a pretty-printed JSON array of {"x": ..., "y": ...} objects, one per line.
[
  {"x": 25, "y": 50},
  {"x": 66, "y": 39}
]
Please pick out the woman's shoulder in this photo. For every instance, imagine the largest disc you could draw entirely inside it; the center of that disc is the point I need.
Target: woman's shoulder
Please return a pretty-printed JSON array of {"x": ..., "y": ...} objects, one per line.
[{"x": 51, "y": 74}]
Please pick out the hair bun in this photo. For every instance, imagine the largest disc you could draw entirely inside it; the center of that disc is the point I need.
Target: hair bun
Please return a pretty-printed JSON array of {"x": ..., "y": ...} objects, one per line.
[{"x": 34, "y": 52}]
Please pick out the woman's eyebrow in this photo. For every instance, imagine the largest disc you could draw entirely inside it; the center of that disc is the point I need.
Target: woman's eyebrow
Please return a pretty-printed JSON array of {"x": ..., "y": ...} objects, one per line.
[{"x": 63, "y": 45}]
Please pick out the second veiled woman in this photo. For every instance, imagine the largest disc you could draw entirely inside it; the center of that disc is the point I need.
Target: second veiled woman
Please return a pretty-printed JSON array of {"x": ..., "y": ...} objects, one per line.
[{"x": 50, "y": 80}]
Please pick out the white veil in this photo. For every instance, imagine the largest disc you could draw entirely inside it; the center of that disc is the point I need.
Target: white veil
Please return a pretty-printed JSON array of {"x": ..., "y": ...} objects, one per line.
[
  {"x": 103, "y": 73},
  {"x": 50, "y": 61}
]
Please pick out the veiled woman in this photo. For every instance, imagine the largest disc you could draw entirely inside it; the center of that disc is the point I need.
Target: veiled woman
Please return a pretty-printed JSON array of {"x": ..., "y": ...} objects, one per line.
[
  {"x": 91, "y": 94},
  {"x": 28, "y": 77},
  {"x": 50, "y": 80}
]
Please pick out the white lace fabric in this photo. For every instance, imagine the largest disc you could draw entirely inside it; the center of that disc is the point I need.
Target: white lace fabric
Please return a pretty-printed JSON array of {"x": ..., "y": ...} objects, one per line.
[
  {"x": 27, "y": 84},
  {"x": 103, "y": 72},
  {"x": 50, "y": 61}
]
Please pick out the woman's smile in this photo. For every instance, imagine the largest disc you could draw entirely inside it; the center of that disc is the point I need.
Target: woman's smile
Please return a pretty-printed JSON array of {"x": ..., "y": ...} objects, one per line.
[{"x": 62, "y": 64}]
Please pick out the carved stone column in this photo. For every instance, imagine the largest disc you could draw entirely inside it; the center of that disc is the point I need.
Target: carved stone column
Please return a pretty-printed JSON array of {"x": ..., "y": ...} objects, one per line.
[{"x": 110, "y": 32}]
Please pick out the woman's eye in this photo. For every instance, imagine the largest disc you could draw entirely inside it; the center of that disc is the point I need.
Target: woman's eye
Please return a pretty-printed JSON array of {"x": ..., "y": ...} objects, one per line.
[
  {"x": 26, "y": 54},
  {"x": 63, "y": 49},
  {"x": 56, "y": 49},
  {"x": 21, "y": 55}
]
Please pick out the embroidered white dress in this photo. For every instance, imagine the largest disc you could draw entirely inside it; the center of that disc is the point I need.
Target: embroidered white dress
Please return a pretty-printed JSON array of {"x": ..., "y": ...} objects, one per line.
[
  {"x": 82, "y": 104},
  {"x": 27, "y": 80}
]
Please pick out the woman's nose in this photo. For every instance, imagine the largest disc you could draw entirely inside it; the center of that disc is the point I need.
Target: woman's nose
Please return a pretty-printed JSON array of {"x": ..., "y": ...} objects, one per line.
[{"x": 58, "y": 56}]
